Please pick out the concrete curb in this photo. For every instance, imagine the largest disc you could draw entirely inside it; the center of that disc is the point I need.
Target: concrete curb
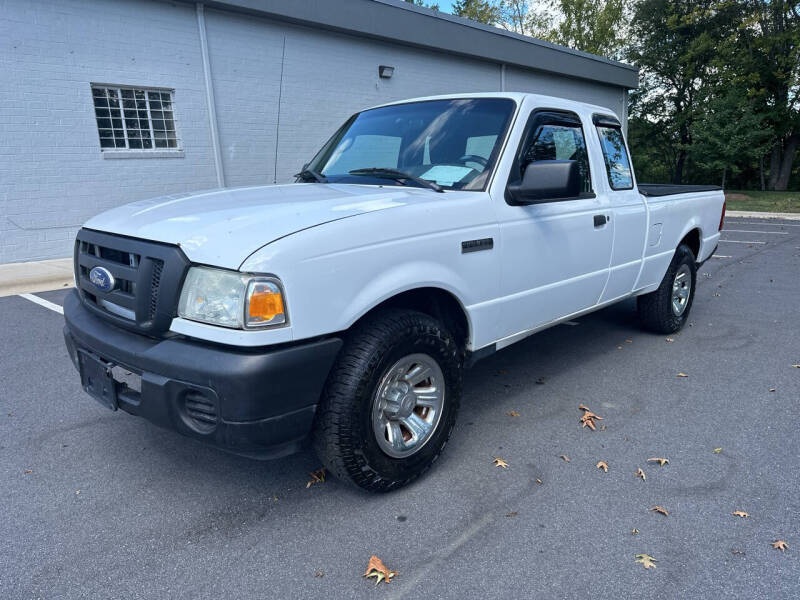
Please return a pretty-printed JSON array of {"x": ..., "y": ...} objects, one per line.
[
  {"x": 750, "y": 214},
  {"x": 35, "y": 276}
]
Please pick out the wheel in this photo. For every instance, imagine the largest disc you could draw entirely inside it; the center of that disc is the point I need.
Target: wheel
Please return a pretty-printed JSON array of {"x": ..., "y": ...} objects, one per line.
[
  {"x": 666, "y": 310},
  {"x": 390, "y": 402}
]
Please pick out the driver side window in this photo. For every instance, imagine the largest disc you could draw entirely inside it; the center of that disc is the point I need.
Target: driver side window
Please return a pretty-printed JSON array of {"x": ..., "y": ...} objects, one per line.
[{"x": 559, "y": 141}]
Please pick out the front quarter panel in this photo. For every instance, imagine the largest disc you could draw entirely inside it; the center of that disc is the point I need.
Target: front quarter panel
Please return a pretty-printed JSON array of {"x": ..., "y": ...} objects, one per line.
[{"x": 336, "y": 273}]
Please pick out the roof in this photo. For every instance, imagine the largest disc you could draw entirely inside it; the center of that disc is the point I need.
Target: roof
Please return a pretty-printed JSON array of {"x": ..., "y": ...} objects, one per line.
[
  {"x": 518, "y": 97},
  {"x": 404, "y": 23}
]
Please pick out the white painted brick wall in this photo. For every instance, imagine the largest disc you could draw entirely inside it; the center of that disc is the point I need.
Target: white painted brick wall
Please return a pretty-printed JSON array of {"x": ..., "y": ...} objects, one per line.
[{"x": 52, "y": 173}]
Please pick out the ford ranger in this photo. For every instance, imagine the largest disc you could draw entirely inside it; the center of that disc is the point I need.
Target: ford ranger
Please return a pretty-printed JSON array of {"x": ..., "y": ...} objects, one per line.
[{"x": 341, "y": 309}]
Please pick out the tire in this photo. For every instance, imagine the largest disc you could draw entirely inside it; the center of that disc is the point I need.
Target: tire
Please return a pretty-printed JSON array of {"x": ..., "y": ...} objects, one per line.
[
  {"x": 345, "y": 433},
  {"x": 656, "y": 310}
]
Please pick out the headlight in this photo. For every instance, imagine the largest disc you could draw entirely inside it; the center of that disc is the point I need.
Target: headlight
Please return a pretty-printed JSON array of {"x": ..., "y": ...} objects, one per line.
[{"x": 231, "y": 299}]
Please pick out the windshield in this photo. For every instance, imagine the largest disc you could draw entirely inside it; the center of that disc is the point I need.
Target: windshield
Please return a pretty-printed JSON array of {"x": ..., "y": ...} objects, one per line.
[{"x": 452, "y": 143}]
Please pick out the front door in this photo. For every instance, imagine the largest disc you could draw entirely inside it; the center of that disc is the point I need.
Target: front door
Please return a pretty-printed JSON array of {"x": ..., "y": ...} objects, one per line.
[{"x": 557, "y": 251}]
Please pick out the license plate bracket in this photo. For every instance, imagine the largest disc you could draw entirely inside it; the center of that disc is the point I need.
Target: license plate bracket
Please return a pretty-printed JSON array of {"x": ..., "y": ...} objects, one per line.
[{"x": 97, "y": 380}]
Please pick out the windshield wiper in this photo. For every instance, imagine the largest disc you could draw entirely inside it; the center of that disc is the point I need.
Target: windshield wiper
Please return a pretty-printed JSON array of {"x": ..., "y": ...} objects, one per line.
[
  {"x": 311, "y": 173},
  {"x": 397, "y": 175}
]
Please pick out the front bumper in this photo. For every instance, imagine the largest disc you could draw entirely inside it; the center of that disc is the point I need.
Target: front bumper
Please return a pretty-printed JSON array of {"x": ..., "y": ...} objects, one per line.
[{"x": 255, "y": 402}]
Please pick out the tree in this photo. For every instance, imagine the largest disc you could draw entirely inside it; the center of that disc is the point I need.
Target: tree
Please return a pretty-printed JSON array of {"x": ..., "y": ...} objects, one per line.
[
  {"x": 595, "y": 26},
  {"x": 483, "y": 11}
]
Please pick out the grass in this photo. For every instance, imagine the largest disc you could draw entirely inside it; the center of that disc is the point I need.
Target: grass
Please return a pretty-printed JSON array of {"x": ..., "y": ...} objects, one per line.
[{"x": 763, "y": 201}]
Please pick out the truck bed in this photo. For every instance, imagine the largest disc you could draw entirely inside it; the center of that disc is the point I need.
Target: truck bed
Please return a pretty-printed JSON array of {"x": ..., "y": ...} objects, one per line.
[{"x": 664, "y": 189}]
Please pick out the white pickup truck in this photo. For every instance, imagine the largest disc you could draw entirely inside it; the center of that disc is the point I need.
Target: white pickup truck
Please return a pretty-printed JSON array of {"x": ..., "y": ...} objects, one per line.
[{"x": 342, "y": 309}]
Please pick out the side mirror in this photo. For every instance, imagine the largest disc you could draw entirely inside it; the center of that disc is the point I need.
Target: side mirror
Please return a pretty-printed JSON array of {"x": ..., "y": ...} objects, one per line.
[{"x": 546, "y": 180}]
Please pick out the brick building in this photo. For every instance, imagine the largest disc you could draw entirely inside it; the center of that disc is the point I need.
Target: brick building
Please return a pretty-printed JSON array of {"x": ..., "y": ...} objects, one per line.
[{"x": 104, "y": 102}]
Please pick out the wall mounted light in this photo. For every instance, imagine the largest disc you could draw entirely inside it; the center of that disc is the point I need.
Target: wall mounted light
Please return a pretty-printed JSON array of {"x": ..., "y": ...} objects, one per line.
[{"x": 385, "y": 72}]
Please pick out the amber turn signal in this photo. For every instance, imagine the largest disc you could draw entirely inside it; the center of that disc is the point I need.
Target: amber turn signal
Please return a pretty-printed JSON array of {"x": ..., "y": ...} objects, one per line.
[{"x": 265, "y": 304}]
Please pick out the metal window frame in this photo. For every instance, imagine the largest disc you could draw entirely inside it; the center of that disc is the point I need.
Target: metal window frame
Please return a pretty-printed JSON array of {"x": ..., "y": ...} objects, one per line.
[{"x": 144, "y": 89}]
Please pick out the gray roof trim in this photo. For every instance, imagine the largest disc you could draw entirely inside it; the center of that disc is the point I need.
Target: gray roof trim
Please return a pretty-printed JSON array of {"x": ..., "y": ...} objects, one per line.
[{"x": 402, "y": 22}]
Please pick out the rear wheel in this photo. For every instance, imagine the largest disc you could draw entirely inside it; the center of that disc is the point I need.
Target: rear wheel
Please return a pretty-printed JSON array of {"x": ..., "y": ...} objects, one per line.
[
  {"x": 666, "y": 310},
  {"x": 390, "y": 402}
]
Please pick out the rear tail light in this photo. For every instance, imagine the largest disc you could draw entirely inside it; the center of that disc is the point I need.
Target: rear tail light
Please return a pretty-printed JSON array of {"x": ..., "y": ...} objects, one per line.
[{"x": 722, "y": 216}]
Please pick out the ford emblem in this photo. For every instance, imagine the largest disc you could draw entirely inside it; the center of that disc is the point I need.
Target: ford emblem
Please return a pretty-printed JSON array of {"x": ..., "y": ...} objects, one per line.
[{"x": 102, "y": 279}]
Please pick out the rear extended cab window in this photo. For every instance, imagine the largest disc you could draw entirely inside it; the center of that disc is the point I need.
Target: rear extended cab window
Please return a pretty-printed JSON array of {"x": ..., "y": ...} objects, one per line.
[{"x": 615, "y": 155}]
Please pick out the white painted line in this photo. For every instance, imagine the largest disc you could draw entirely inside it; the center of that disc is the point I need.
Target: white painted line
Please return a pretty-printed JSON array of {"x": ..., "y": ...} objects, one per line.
[
  {"x": 721, "y": 256},
  {"x": 770, "y": 224},
  {"x": 751, "y": 231},
  {"x": 571, "y": 323},
  {"x": 741, "y": 242},
  {"x": 42, "y": 302}
]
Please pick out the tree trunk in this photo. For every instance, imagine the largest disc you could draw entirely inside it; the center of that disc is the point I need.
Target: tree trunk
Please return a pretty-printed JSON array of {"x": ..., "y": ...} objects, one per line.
[
  {"x": 677, "y": 176},
  {"x": 789, "y": 149},
  {"x": 774, "y": 164},
  {"x": 761, "y": 173},
  {"x": 724, "y": 173}
]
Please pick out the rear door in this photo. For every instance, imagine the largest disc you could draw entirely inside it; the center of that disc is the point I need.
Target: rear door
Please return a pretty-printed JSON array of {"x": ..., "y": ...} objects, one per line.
[
  {"x": 556, "y": 252},
  {"x": 627, "y": 206}
]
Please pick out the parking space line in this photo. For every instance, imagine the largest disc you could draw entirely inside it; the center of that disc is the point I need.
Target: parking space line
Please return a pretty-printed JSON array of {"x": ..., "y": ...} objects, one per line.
[
  {"x": 741, "y": 242},
  {"x": 751, "y": 231},
  {"x": 770, "y": 224},
  {"x": 720, "y": 256},
  {"x": 42, "y": 302}
]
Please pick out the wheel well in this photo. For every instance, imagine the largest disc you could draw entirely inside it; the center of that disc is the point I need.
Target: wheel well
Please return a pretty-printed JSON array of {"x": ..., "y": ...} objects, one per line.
[
  {"x": 437, "y": 303},
  {"x": 692, "y": 239}
]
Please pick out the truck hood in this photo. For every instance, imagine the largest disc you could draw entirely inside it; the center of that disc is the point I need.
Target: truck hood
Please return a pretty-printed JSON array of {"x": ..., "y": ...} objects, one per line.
[{"x": 223, "y": 227}]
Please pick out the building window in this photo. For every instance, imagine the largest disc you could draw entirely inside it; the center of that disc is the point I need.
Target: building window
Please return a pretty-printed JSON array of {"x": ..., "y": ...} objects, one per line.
[{"x": 135, "y": 118}]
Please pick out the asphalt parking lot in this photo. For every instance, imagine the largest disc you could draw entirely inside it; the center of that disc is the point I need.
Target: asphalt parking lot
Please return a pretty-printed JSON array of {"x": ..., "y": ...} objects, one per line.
[{"x": 103, "y": 505}]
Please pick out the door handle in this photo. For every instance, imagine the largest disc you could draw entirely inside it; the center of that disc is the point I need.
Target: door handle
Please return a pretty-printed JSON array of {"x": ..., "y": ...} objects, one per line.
[{"x": 600, "y": 220}]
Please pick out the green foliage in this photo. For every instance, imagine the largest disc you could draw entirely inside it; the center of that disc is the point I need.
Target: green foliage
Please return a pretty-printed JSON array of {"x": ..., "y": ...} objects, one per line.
[
  {"x": 483, "y": 11},
  {"x": 595, "y": 26}
]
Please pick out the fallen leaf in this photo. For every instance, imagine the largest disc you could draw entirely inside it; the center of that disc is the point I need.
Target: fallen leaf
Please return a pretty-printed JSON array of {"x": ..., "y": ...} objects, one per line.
[
  {"x": 780, "y": 545},
  {"x": 660, "y": 461},
  {"x": 717, "y": 450},
  {"x": 628, "y": 341},
  {"x": 670, "y": 340},
  {"x": 539, "y": 481},
  {"x": 771, "y": 389},
  {"x": 512, "y": 413},
  {"x": 603, "y": 465},
  {"x": 647, "y": 560},
  {"x": 317, "y": 476},
  {"x": 660, "y": 509},
  {"x": 319, "y": 574},
  {"x": 640, "y": 473},
  {"x": 740, "y": 513},
  {"x": 540, "y": 381},
  {"x": 588, "y": 417},
  {"x": 499, "y": 462},
  {"x": 634, "y": 531},
  {"x": 28, "y": 471},
  {"x": 511, "y": 514},
  {"x": 565, "y": 457},
  {"x": 77, "y": 492},
  {"x": 795, "y": 366},
  {"x": 737, "y": 552},
  {"x": 682, "y": 375},
  {"x": 376, "y": 568}
]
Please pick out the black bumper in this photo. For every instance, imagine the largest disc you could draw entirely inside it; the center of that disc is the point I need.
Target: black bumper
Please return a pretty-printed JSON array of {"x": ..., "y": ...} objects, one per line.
[{"x": 255, "y": 402}]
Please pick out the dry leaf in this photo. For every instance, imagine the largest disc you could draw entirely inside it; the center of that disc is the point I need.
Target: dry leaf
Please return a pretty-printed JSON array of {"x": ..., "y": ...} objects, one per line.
[
  {"x": 619, "y": 347},
  {"x": 634, "y": 531},
  {"x": 640, "y": 473},
  {"x": 511, "y": 514},
  {"x": 682, "y": 375},
  {"x": 780, "y": 545},
  {"x": 28, "y": 471},
  {"x": 647, "y": 560},
  {"x": 740, "y": 513},
  {"x": 319, "y": 574},
  {"x": 660, "y": 509},
  {"x": 795, "y": 366},
  {"x": 512, "y": 413},
  {"x": 670, "y": 340},
  {"x": 317, "y": 476},
  {"x": 603, "y": 465},
  {"x": 588, "y": 417},
  {"x": 376, "y": 568},
  {"x": 771, "y": 389},
  {"x": 628, "y": 341},
  {"x": 660, "y": 461},
  {"x": 539, "y": 481},
  {"x": 717, "y": 450},
  {"x": 499, "y": 462},
  {"x": 565, "y": 457}
]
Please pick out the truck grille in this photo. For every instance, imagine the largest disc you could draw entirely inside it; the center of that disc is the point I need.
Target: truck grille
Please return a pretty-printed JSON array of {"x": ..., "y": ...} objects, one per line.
[{"x": 142, "y": 292}]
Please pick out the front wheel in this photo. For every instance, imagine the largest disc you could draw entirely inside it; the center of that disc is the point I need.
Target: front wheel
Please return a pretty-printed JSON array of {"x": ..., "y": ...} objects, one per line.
[
  {"x": 666, "y": 310},
  {"x": 390, "y": 402}
]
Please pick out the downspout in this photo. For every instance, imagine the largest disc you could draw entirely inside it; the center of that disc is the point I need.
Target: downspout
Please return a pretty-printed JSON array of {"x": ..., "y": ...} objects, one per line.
[{"x": 212, "y": 111}]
